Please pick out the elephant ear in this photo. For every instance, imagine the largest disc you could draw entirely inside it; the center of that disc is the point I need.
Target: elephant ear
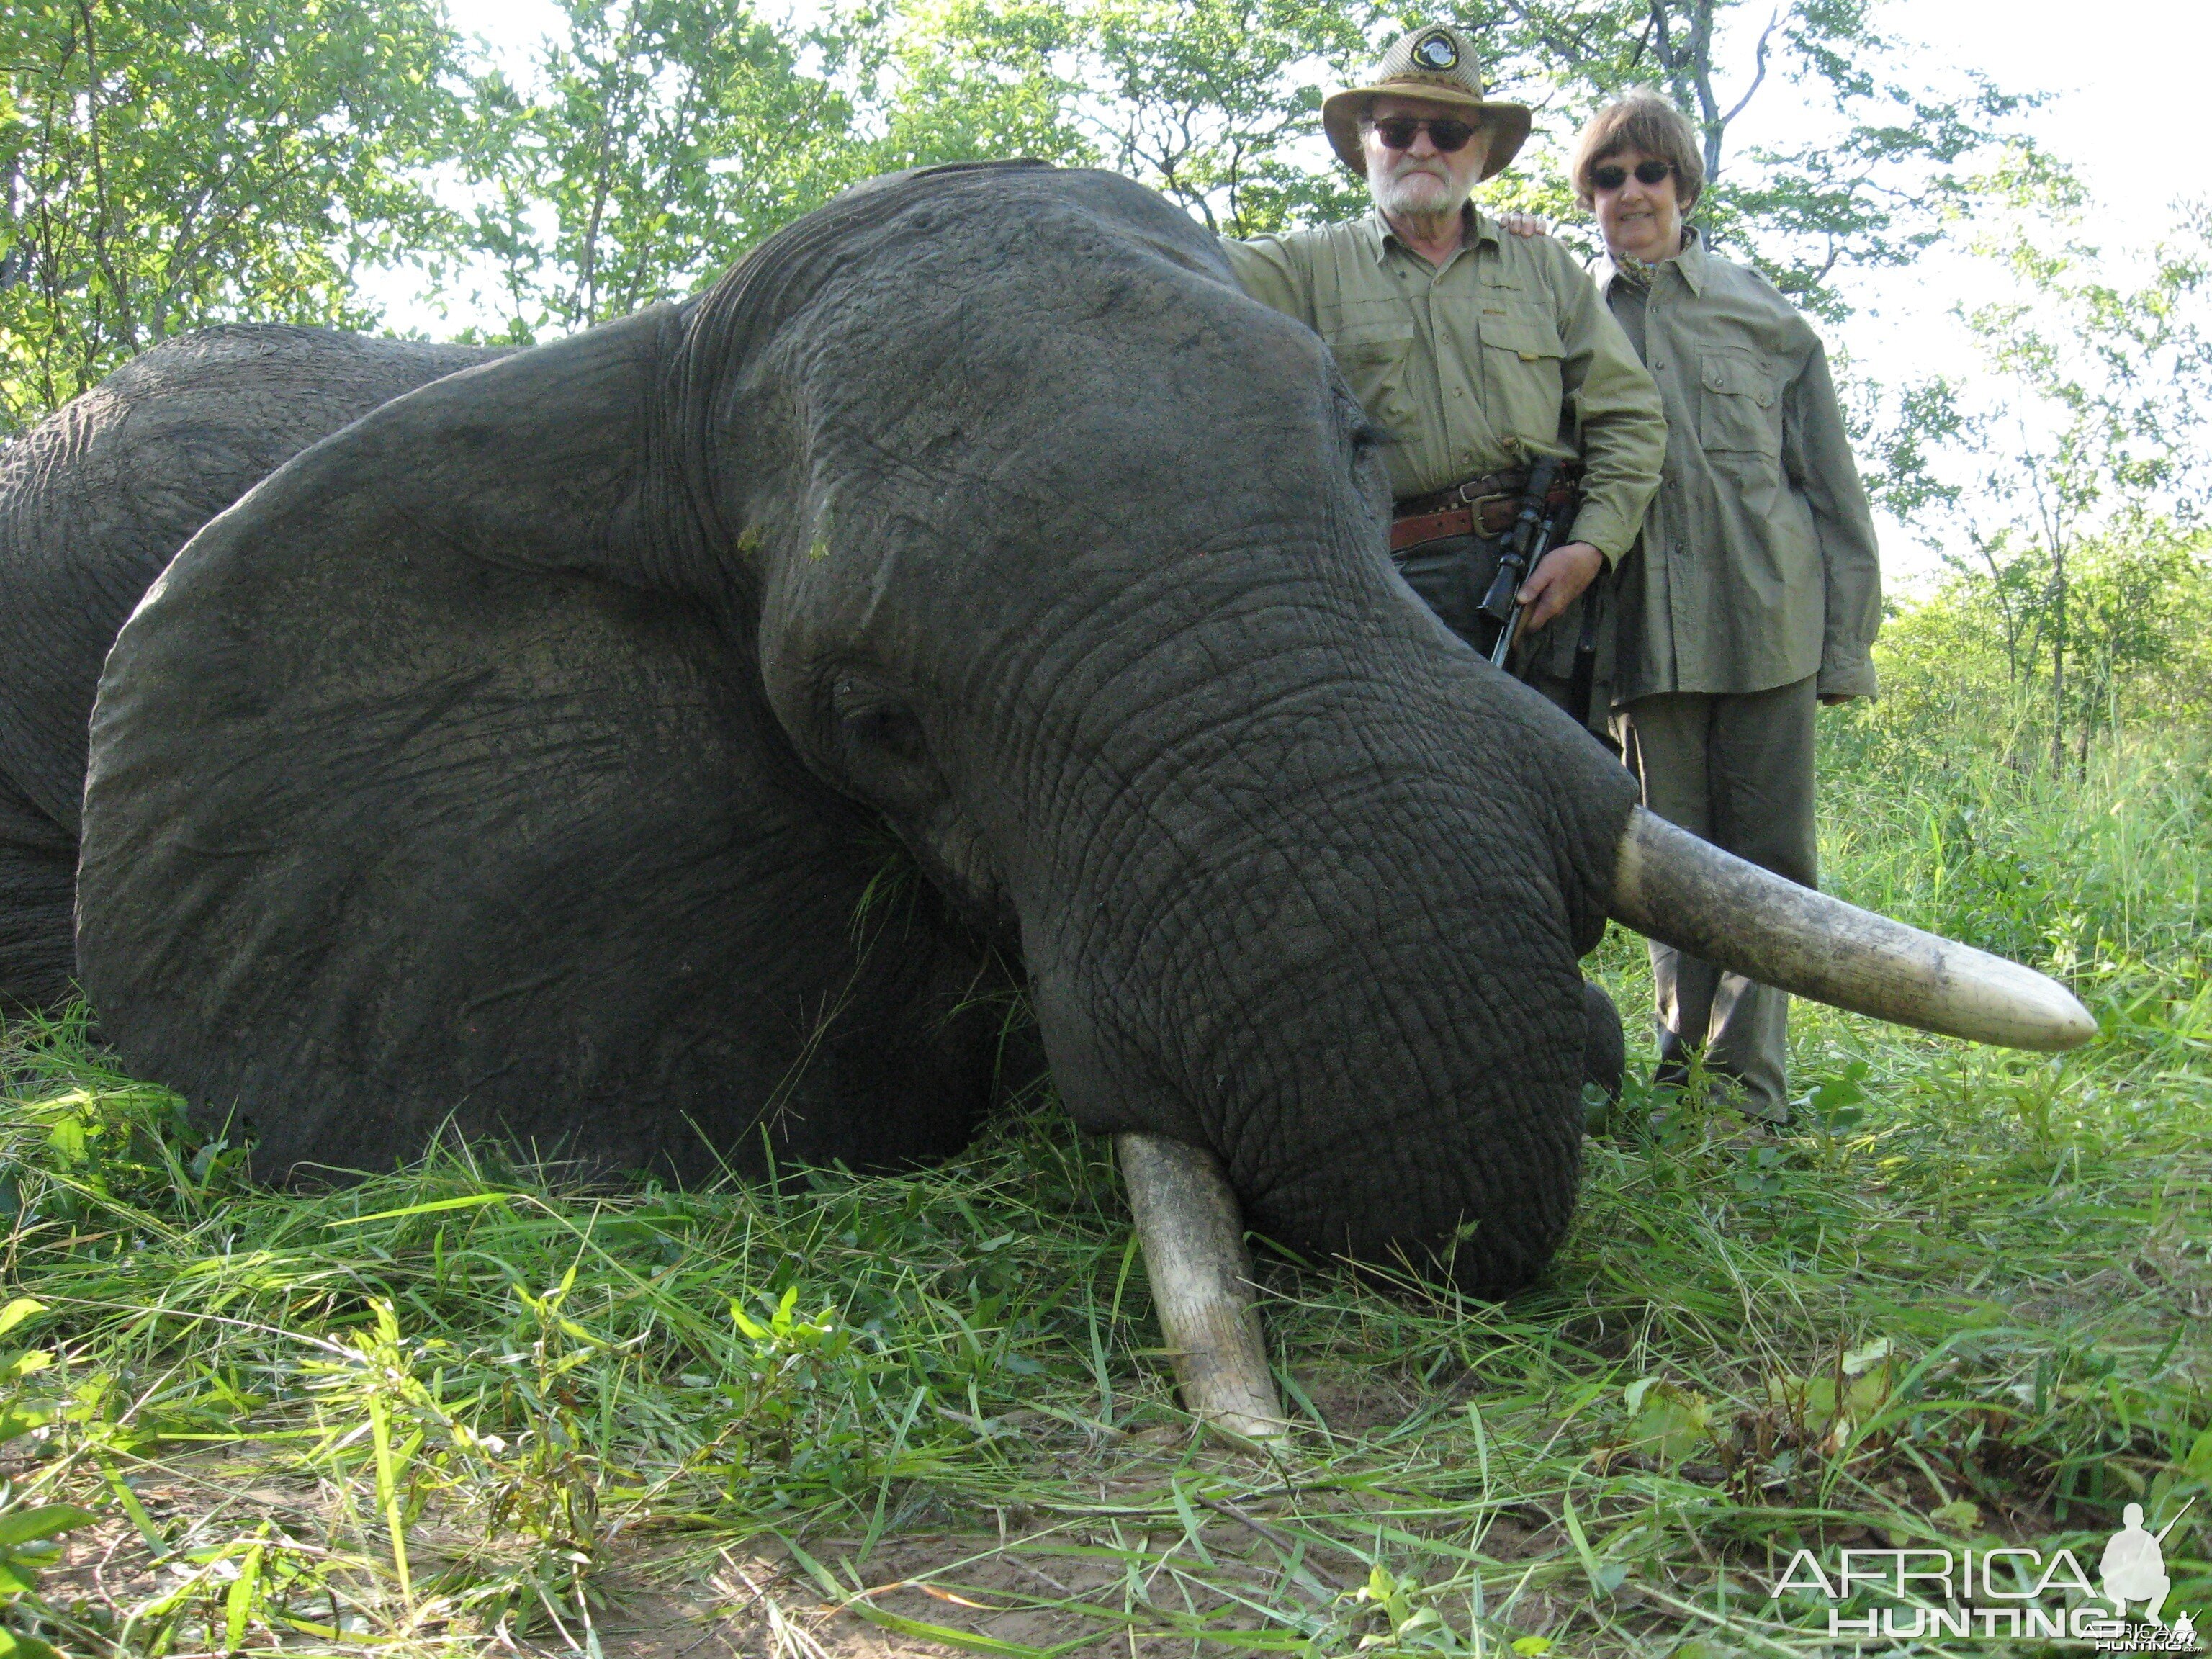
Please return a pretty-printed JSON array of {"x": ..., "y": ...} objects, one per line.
[{"x": 421, "y": 791}]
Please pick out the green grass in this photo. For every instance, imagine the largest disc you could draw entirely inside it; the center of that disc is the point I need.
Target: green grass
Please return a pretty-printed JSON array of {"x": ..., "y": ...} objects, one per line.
[{"x": 1968, "y": 1300}]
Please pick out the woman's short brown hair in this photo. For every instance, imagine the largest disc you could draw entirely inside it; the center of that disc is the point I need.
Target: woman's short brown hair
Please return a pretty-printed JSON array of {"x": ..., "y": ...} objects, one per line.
[{"x": 1642, "y": 120}]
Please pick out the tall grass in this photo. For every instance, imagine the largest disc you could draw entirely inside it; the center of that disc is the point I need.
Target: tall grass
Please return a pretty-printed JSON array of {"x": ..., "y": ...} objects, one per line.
[{"x": 1968, "y": 1298}]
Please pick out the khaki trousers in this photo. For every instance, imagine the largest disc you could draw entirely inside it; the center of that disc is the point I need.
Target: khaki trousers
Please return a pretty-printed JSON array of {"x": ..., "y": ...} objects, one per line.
[{"x": 1737, "y": 770}]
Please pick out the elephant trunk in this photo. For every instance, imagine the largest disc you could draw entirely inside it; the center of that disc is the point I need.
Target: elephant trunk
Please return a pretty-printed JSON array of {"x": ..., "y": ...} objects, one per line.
[
  {"x": 1330, "y": 950},
  {"x": 1674, "y": 888}
]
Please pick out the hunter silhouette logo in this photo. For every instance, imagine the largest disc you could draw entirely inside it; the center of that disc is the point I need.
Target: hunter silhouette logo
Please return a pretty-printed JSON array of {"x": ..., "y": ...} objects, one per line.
[
  {"x": 2134, "y": 1566},
  {"x": 2133, "y": 1569},
  {"x": 2005, "y": 1594}
]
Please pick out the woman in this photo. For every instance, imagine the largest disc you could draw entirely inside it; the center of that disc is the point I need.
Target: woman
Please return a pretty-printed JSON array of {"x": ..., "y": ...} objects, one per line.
[{"x": 1755, "y": 591}]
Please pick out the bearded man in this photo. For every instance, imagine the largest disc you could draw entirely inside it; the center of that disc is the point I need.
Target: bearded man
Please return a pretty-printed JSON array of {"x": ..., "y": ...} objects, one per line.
[{"x": 1475, "y": 353}]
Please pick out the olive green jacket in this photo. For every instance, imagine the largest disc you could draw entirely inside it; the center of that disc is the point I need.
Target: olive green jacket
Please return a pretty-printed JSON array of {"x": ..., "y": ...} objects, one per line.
[
  {"x": 1505, "y": 353},
  {"x": 1758, "y": 565}
]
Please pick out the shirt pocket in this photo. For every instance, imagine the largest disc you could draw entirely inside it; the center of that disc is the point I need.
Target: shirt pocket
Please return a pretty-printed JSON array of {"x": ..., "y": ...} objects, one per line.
[
  {"x": 1523, "y": 361},
  {"x": 1372, "y": 357},
  {"x": 1738, "y": 409}
]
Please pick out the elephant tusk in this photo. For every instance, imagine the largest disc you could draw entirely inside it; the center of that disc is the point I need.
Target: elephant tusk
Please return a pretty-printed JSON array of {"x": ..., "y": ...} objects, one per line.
[
  {"x": 1200, "y": 1272},
  {"x": 1672, "y": 887}
]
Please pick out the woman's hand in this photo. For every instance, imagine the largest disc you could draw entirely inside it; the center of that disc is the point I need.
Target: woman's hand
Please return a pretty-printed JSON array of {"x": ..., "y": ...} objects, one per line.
[
  {"x": 1558, "y": 581},
  {"x": 1524, "y": 224}
]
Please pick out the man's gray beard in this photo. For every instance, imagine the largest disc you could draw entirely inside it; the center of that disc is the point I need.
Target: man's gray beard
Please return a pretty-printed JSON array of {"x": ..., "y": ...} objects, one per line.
[{"x": 1427, "y": 195}]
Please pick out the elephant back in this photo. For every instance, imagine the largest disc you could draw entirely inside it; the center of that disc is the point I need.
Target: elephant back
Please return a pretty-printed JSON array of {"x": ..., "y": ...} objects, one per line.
[{"x": 96, "y": 499}]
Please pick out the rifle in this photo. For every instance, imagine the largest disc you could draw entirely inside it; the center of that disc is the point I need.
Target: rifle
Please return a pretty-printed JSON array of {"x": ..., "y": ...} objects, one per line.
[{"x": 1533, "y": 529}]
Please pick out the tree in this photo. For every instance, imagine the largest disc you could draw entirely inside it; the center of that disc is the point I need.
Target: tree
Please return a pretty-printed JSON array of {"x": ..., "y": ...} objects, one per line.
[
  {"x": 960, "y": 80},
  {"x": 1216, "y": 102},
  {"x": 168, "y": 163},
  {"x": 663, "y": 137},
  {"x": 1213, "y": 102},
  {"x": 2086, "y": 475}
]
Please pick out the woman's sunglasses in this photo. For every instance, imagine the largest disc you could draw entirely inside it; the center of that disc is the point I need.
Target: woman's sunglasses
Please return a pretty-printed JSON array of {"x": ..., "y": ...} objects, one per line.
[
  {"x": 1647, "y": 173},
  {"x": 1397, "y": 132}
]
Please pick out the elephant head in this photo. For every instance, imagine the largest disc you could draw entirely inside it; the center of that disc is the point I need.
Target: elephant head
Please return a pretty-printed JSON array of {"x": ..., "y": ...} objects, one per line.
[{"x": 544, "y": 752}]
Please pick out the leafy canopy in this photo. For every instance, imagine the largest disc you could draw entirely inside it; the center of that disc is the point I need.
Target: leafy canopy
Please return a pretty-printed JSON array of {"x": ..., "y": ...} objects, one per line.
[
  {"x": 176, "y": 162},
  {"x": 168, "y": 163}
]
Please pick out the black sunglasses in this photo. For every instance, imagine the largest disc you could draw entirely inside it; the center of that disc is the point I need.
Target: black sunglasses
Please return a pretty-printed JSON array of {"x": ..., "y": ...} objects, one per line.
[
  {"x": 1397, "y": 132},
  {"x": 1647, "y": 173}
]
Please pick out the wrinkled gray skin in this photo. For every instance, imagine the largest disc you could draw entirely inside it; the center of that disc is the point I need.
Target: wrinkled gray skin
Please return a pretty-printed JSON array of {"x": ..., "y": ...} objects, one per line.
[
  {"x": 93, "y": 502},
  {"x": 520, "y": 756}
]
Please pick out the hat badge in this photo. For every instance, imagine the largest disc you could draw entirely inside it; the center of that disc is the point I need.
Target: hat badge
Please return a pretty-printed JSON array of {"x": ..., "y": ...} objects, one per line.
[{"x": 1436, "y": 52}]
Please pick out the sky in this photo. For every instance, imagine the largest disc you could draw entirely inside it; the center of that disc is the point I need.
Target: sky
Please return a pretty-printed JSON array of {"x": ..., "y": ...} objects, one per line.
[{"x": 2125, "y": 80}]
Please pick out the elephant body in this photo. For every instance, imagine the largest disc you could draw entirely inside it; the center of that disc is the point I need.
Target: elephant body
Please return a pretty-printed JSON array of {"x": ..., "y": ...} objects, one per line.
[
  {"x": 674, "y": 747},
  {"x": 93, "y": 502}
]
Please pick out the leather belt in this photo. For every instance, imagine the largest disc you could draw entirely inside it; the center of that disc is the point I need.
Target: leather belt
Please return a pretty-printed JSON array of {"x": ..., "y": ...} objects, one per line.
[{"x": 1481, "y": 507}]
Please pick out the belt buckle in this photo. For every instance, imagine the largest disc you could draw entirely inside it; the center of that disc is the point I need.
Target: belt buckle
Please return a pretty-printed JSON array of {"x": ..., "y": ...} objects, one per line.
[{"x": 1475, "y": 504}]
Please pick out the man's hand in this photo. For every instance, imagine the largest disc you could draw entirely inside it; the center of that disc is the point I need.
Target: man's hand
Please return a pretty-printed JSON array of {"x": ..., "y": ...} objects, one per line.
[
  {"x": 1524, "y": 224},
  {"x": 1558, "y": 581}
]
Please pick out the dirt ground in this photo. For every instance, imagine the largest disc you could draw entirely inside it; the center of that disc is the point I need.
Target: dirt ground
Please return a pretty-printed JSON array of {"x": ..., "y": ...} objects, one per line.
[
  {"x": 1028, "y": 1581},
  {"x": 663, "y": 1600}
]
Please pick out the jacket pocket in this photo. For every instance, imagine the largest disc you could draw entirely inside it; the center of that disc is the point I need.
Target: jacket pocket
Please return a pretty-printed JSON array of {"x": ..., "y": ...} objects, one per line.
[
  {"x": 1738, "y": 409},
  {"x": 1523, "y": 362},
  {"x": 1372, "y": 357}
]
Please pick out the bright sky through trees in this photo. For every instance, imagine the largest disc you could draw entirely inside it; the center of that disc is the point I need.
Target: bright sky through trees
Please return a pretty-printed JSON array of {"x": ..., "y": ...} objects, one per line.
[{"x": 2126, "y": 86}]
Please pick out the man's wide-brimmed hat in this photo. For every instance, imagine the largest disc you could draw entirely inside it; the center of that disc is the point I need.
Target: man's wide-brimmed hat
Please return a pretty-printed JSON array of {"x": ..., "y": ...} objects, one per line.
[{"x": 1435, "y": 62}]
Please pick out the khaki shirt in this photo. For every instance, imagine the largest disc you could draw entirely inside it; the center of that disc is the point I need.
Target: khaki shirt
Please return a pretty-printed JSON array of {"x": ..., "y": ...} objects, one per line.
[
  {"x": 1505, "y": 353},
  {"x": 1758, "y": 565}
]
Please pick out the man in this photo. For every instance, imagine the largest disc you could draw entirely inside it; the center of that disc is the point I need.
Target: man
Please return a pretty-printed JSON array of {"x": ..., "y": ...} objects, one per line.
[
  {"x": 1755, "y": 591},
  {"x": 1475, "y": 353}
]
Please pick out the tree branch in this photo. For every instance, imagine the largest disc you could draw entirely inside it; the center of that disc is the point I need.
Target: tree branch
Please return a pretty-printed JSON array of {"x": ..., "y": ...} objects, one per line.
[{"x": 1765, "y": 35}]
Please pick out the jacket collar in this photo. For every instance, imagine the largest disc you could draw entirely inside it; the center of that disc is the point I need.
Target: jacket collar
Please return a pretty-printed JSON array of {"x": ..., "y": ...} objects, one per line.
[{"x": 1690, "y": 262}]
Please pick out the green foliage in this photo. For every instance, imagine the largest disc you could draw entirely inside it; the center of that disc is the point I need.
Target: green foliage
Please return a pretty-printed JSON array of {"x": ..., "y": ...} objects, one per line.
[
  {"x": 1974, "y": 842},
  {"x": 2068, "y": 495},
  {"x": 196, "y": 161},
  {"x": 1970, "y": 666},
  {"x": 660, "y": 139},
  {"x": 972, "y": 80},
  {"x": 1216, "y": 104},
  {"x": 28, "y": 1531},
  {"x": 170, "y": 163}
]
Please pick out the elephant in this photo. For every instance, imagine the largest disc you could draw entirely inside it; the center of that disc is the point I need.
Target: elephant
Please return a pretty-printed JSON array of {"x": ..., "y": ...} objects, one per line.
[
  {"x": 93, "y": 502},
  {"x": 679, "y": 746}
]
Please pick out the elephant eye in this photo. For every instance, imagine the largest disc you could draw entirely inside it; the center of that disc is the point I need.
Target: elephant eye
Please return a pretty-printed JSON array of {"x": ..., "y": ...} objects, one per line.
[
  {"x": 1361, "y": 434},
  {"x": 886, "y": 729},
  {"x": 870, "y": 724}
]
